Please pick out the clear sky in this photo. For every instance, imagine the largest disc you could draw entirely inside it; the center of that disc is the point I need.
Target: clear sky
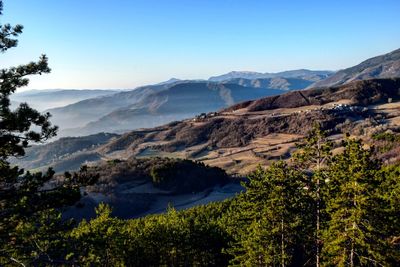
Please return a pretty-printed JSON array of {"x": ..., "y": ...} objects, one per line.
[{"x": 126, "y": 43}]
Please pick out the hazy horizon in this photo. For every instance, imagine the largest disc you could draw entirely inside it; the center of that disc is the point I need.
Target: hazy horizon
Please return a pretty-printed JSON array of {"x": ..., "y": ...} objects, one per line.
[
  {"x": 102, "y": 45},
  {"x": 156, "y": 82}
]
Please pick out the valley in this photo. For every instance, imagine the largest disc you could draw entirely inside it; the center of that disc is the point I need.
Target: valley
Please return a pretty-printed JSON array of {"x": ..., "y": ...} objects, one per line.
[{"x": 245, "y": 135}]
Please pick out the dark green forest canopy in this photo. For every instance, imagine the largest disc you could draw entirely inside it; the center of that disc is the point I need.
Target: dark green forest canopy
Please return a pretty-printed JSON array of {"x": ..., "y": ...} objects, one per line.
[
  {"x": 173, "y": 175},
  {"x": 271, "y": 223}
]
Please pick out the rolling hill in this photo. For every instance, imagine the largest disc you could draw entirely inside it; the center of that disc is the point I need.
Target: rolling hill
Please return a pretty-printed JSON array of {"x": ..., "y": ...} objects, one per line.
[{"x": 54, "y": 152}]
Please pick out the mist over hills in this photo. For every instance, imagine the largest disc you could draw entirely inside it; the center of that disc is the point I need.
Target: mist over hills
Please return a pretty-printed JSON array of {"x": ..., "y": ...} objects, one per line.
[
  {"x": 153, "y": 105},
  {"x": 53, "y": 98},
  {"x": 178, "y": 101},
  {"x": 80, "y": 113}
]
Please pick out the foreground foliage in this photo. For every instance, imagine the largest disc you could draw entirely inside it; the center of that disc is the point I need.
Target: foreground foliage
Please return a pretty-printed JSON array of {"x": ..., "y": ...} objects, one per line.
[
  {"x": 30, "y": 226},
  {"x": 272, "y": 223}
]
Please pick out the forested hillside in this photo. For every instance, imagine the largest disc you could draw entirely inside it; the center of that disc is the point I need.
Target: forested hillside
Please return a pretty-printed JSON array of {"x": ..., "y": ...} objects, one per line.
[{"x": 334, "y": 208}]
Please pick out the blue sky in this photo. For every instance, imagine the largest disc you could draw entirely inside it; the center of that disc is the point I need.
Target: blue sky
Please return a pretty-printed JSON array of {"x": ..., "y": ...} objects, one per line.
[{"x": 126, "y": 43}]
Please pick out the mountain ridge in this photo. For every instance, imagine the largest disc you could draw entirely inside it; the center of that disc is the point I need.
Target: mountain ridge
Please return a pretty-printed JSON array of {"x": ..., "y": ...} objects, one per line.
[
  {"x": 383, "y": 66},
  {"x": 311, "y": 75}
]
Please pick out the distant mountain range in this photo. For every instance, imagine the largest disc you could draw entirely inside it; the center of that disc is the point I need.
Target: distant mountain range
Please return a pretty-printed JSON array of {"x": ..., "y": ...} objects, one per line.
[
  {"x": 272, "y": 83},
  {"x": 47, "y": 99},
  {"x": 176, "y": 101},
  {"x": 384, "y": 66},
  {"x": 93, "y": 111},
  {"x": 80, "y": 113},
  {"x": 308, "y": 75}
]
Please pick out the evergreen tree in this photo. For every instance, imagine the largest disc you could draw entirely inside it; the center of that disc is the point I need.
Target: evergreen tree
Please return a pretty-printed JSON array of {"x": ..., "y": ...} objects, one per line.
[
  {"x": 101, "y": 240},
  {"x": 25, "y": 206},
  {"x": 312, "y": 156},
  {"x": 352, "y": 237},
  {"x": 386, "y": 213},
  {"x": 277, "y": 201},
  {"x": 188, "y": 238}
]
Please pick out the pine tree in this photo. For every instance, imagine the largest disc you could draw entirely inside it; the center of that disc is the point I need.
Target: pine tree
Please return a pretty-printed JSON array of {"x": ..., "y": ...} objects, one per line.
[
  {"x": 276, "y": 199},
  {"x": 312, "y": 156},
  {"x": 386, "y": 213},
  {"x": 25, "y": 207},
  {"x": 352, "y": 238}
]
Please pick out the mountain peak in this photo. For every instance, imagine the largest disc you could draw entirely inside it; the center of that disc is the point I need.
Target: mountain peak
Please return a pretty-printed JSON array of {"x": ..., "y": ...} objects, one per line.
[{"x": 171, "y": 80}]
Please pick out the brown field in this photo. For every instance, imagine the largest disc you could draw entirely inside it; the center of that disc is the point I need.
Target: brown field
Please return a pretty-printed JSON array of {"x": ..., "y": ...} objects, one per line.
[{"x": 261, "y": 150}]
